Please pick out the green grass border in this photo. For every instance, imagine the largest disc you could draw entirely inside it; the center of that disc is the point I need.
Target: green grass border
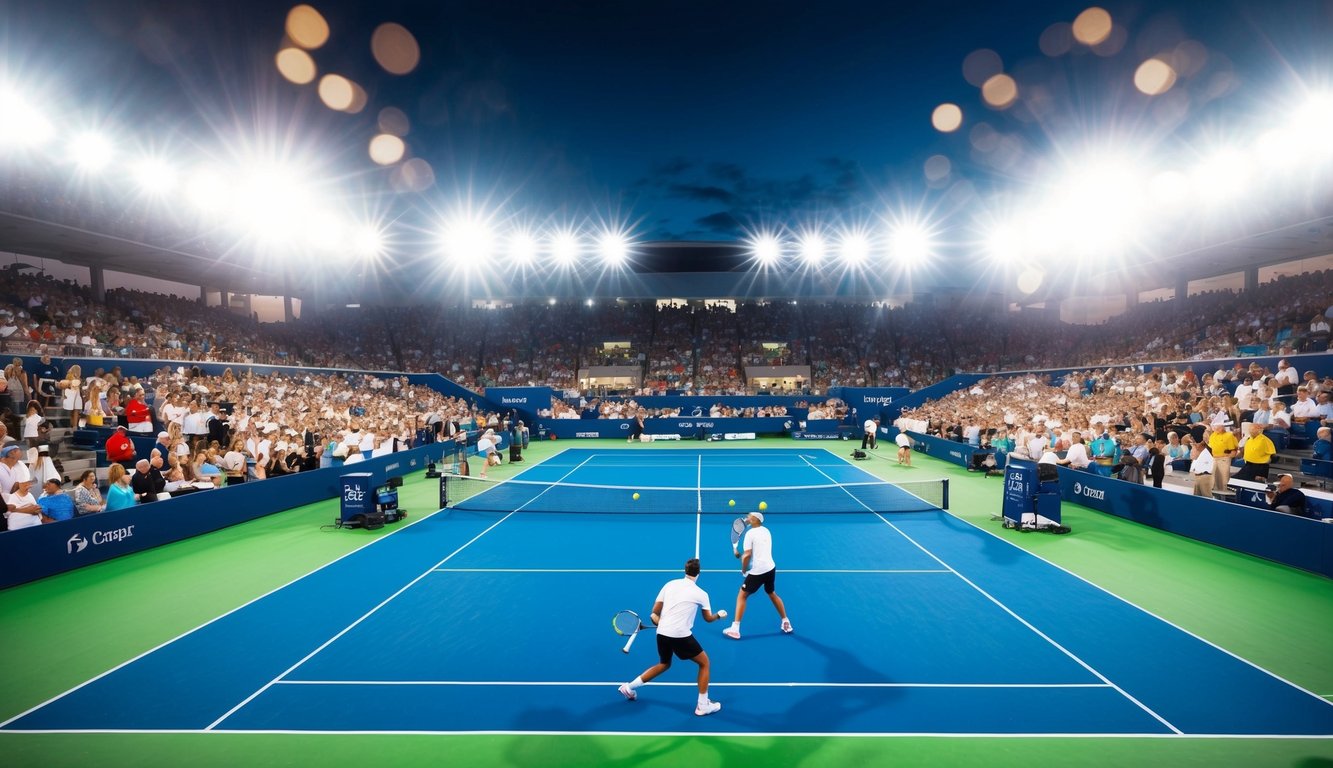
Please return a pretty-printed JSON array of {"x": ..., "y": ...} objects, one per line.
[{"x": 82, "y": 623}]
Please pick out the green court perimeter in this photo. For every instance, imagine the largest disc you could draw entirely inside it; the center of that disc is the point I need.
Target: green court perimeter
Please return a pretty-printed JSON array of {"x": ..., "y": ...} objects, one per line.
[{"x": 64, "y": 630}]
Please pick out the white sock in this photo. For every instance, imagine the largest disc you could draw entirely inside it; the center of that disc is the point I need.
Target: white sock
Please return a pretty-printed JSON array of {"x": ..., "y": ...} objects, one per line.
[
  {"x": 703, "y": 699},
  {"x": 636, "y": 682},
  {"x": 736, "y": 625}
]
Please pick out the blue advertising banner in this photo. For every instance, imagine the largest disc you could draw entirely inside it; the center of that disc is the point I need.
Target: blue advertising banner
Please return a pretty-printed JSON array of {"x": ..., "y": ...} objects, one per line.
[
  {"x": 44, "y": 550},
  {"x": 1296, "y": 541},
  {"x": 954, "y": 453},
  {"x": 526, "y": 401},
  {"x": 682, "y": 426}
]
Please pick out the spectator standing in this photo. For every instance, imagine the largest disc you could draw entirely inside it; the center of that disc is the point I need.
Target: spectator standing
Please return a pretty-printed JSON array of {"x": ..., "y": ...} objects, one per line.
[{"x": 1201, "y": 469}]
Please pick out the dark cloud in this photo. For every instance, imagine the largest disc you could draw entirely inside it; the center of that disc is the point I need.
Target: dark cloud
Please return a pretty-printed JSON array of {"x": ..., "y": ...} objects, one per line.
[
  {"x": 706, "y": 193},
  {"x": 721, "y": 223},
  {"x": 835, "y": 187}
]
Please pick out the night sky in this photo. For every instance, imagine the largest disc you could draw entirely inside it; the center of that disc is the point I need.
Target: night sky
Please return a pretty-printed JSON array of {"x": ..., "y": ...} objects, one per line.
[{"x": 683, "y": 120}]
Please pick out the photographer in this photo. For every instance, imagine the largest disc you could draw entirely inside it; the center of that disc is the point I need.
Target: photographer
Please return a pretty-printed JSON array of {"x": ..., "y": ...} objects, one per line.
[{"x": 1285, "y": 498}]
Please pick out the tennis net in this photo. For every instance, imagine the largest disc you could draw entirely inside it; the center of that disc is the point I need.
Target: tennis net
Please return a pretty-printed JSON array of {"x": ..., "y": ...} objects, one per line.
[{"x": 487, "y": 495}]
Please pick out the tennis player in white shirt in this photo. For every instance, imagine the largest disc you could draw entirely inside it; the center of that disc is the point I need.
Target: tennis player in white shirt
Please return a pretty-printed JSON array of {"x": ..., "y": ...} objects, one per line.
[
  {"x": 756, "y": 554},
  {"x": 673, "y": 613}
]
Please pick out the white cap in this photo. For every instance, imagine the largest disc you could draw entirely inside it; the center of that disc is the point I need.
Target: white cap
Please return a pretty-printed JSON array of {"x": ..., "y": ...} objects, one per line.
[{"x": 758, "y": 516}]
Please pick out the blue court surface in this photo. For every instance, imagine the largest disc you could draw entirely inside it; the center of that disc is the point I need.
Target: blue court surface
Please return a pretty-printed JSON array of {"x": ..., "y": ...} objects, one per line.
[{"x": 474, "y": 620}]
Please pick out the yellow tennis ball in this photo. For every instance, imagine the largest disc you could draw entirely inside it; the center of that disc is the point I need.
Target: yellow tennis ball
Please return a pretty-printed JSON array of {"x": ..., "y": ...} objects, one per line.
[
  {"x": 636, "y": 497},
  {"x": 763, "y": 505},
  {"x": 731, "y": 503}
]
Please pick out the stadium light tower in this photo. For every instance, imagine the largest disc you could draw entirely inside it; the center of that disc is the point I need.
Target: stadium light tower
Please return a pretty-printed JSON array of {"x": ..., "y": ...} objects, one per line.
[
  {"x": 368, "y": 241},
  {"x": 909, "y": 245},
  {"x": 765, "y": 248},
  {"x": 614, "y": 248},
  {"x": 91, "y": 151},
  {"x": 467, "y": 240},
  {"x": 812, "y": 247},
  {"x": 854, "y": 248},
  {"x": 521, "y": 248},
  {"x": 565, "y": 248},
  {"x": 21, "y": 125},
  {"x": 154, "y": 176}
]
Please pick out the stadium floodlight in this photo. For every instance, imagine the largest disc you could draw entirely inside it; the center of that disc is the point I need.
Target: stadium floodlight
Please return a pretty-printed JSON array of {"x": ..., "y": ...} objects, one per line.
[
  {"x": 1313, "y": 121},
  {"x": 565, "y": 248},
  {"x": 21, "y": 124},
  {"x": 522, "y": 248},
  {"x": 854, "y": 248},
  {"x": 812, "y": 247},
  {"x": 1003, "y": 245},
  {"x": 325, "y": 232},
  {"x": 368, "y": 241},
  {"x": 614, "y": 248},
  {"x": 467, "y": 240},
  {"x": 766, "y": 248},
  {"x": 909, "y": 245},
  {"x": 1169, "y": 189},
  {"x": 154, "y": 176},
  {"x": 91, "y": 151},
  {"x": 207, "y": 191},
  {"x": 1221, "y": 176}
]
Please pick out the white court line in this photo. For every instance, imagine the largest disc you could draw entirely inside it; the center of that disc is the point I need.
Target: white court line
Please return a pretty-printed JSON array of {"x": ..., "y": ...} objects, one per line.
[
  {"x": 595, "y": 684},
  {"x": 677, "y": 570},
  {"x": 367, "y": 614},
  {"x": 1167, "y": 622},
  {"x": 1038, "y": 632},
  {"x": 1020, "y": 619},
  {"x": 699, "y": 513},
  {"x": 695, "y": 734}
]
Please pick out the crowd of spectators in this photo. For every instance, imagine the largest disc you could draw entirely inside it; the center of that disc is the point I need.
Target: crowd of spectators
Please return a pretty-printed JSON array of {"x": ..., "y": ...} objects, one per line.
[
  {"x": 1125, "y": 418},
  {"x": 691, "y": 348}
]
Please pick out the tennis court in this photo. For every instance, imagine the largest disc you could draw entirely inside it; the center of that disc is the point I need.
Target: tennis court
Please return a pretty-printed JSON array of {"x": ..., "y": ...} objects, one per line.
[{"x": 494, "y": 616}]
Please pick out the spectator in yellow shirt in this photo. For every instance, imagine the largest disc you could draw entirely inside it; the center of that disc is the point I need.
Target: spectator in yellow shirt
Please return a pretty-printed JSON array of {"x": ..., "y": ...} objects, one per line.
[
  {"x": 1258, "y": 452},
  {"x": 1224, "y": 447}
]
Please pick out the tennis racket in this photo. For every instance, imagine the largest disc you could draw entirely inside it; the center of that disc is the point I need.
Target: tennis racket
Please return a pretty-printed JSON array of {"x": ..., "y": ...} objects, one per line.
[
  {"x": 738, "y": 527},
  {"x": 628, "y": 623}
]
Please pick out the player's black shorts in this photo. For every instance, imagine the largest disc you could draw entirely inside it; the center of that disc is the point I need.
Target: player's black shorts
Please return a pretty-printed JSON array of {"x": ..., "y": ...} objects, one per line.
[
  {"x": 684, "y": 648},
  {"x": 756, "y": 580}
]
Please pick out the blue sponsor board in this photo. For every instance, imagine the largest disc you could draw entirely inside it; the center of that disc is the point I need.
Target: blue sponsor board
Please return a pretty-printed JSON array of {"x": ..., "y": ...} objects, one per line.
[
  {"x": 45, "y": 550},
  {"x": 1296, "y": 541},
  {"x": 525, "y": 401},
  {"x": 685, "y": 427},
  {"x": 948, "y": 450}
]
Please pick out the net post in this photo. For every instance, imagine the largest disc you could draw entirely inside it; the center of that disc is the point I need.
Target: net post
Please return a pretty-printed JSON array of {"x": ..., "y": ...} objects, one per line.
[{"x": 944, "y": 493}]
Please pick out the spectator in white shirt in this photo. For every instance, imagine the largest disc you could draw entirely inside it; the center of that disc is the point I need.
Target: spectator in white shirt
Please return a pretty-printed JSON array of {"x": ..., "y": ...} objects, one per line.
[
  {"x": 1077, "y": 455},
  {"x": 1201, "y": 469}
]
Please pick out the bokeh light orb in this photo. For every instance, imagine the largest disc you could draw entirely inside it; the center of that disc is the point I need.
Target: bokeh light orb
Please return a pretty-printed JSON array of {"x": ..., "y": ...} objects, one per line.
[
  {"x": 1092, "y": 26},
  {"x": 306, "y": 27},
  {"x": 336, "y": 92},
  {"x": 296, "y": 66},
  {"x": 1000, "y": 91},
  {"x": 395, "y": 49},
  {"x": 387, "y": 149},
  {"x": 947, "y": 118},
  {"x": 1154, "y": 77}
]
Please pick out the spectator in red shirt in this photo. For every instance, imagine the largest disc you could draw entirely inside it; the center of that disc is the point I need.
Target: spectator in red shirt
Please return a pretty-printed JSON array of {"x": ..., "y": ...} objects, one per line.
[
  {"x": 137, "y": 413},
  {"x": 119, "y": 449}
]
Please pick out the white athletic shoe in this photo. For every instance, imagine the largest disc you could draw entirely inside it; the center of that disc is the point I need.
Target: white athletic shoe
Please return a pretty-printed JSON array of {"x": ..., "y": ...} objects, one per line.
[
  {"x": 732, "y": 632},
  {"x": 707, "y": 709},
  {"x": 786, "y": 626},
  {"x": 627, "y": 692}
]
